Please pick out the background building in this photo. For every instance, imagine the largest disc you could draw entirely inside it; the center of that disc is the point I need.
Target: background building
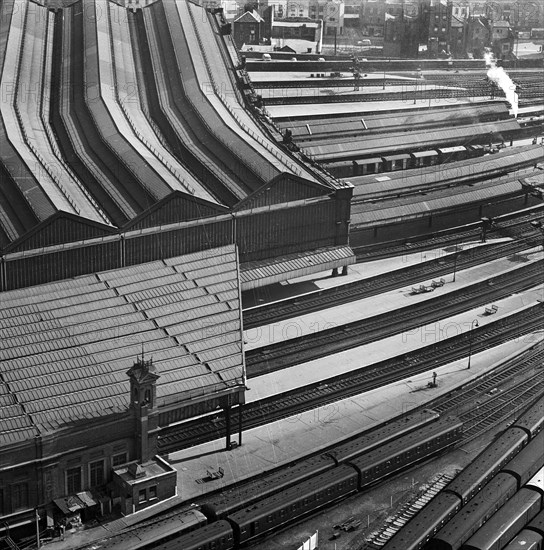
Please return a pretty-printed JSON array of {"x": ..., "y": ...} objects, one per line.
[
  {"x": 248, "y": 29},
  {"x": 502, "y": 39}
]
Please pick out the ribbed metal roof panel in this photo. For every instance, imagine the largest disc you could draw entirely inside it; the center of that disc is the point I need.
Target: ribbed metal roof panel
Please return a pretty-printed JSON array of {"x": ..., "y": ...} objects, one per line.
[
  {"x": 68, "y": 361},
  {"x": 224, "y": 363},
  {"x": 224, "y": 286},
  {"x": 121, "y": 273},
  {"x": 331, "y": 150},
  {"x": 53, "y": 302},
  {"x": 508, "y": 160},
  {"x": 404, "y": 119},
  {"x": 216, "y": 278},
  {"x": 79, "y": 282},
  {"x": 10, "y": 437},
  {"x": 203, "y": 327},
  {"x": 231, "y": 374},
  {"x": 186, "y": 289},
  {"x": 166, "y": 305},
  {"x": 224, "y": 339},
  {"x": 148, "y": 283},
  {"x": 188, "y": 315},
  {"x": 371, "y": 213},
  {"x": 292, "y": 262},
  {"x": 155, "y": 275},
  {"x": 219, "y": 352}
]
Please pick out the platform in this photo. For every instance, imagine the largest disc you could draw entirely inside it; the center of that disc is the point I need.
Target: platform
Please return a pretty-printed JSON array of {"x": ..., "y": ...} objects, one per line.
[
  {"x": 405, "y": 91},
  {"x": 301, "y": 76},
  {"x": 309, "y": 109},
  {"x": 363, "y": 270},
  {"x": 282, "y": 442},
  {"x": 325, "y": 319}
]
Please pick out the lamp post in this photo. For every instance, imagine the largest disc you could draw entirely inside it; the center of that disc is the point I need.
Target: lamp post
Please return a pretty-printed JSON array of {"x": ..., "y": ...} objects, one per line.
[
  {"x": 455, "y": 262},
  {"x": 473, "y": 325}
]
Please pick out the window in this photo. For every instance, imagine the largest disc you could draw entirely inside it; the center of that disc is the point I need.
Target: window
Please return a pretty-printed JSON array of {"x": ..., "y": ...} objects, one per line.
[
  {"x": 73, "y": 480},
  {"x": 96, "y": 473},
  {"x": 141, "y": 496},
  {"x": 19, "y": 496},
  {"x": 152, "y": 492},
  {"x": 118, "y": 459}
]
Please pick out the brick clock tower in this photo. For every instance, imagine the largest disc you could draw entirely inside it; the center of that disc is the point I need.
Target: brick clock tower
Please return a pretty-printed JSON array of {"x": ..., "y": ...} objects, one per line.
[
  {"x": 148, "y": 479},
  {"x": 143, "y": 403}
]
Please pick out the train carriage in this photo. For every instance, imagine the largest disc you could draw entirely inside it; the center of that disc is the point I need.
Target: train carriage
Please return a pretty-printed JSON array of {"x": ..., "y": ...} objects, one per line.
[
  {"x": 471, "y": 480},
  {"x": 508, "y": 521},
  {"x": 425, "y": 523},
  {"x": 533, "y": 420},
  {"x": 537, "y": 524},
  {"x": 407, "y": 450},
  {"x": 526, "y": 540},
  {"x": 304, "y": 498},
  {"x": 528, "y": 461},
  {"x": 216, "y": 536},
  {"x": 377, "y": 438},
  {"x": 233, "y": 499},
  {"x": 475, "y": 513}
]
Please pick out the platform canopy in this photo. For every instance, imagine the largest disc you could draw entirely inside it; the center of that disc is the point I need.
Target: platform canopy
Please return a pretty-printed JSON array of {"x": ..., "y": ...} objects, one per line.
[
  {"x": 66, "y": 346},
  {"x": 275, "y": 270}
]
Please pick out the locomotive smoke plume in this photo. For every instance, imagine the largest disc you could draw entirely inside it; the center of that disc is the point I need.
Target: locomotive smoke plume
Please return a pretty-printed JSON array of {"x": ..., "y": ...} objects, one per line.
[{"x": 499, "y": 76}]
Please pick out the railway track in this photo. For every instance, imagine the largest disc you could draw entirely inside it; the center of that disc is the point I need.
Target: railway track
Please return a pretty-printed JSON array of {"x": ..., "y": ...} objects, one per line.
[
  {"x": 287, "y": 353},
  {"x": 512, "y": 227},
  {"x": 502, "y": 407},
  {"x": 504, "y": 404},
  {"x": 529, "y": 96},
  {"x": 478, "y": 81},
  {"x": 353, "y": 383},
  {"x": 373, "y": 286}
]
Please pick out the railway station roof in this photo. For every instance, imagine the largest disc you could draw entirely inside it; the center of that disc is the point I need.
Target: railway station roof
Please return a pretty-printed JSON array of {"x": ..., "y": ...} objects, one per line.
[
  {"x": 266, "y": 272},
  {"x": 397, "y": 210},
  {"x": 45, "y": 199},
  {"x": 338, "y": 123},
  {"x": 510, "y": 159},
  {"x": 392, "y": 143},
  {"x": 67, "y": 345}
]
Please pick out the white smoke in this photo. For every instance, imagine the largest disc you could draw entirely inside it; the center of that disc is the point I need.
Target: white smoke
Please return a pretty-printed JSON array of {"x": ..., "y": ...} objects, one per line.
[{"x": 499, "y": 76}]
